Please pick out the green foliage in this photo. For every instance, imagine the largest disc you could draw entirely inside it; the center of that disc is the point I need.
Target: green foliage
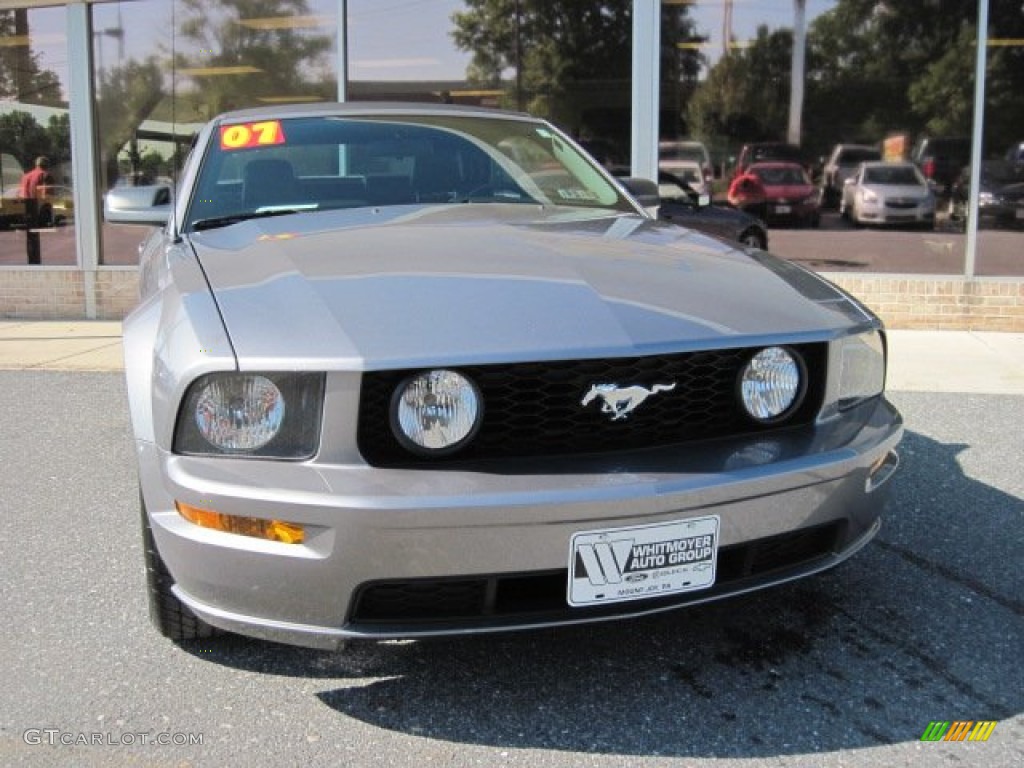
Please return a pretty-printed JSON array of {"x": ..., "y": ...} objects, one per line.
[
  {"x": 287, "y": 61},
  {"x": 23, "y": 137},
  {"x": 127, "y": 95},
  {"x": 873, "y": 68},
  {"x": 21, "y": 77},
  {"x": 58, "y": 131},
  {"x": 555, "y": 43},
  {"x": 571, "y": 61},
  {"x": 746, "y": 95}
]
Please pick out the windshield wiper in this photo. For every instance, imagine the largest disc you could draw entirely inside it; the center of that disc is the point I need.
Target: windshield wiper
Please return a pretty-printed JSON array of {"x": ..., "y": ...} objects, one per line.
[{"x": 234, "y": 218}]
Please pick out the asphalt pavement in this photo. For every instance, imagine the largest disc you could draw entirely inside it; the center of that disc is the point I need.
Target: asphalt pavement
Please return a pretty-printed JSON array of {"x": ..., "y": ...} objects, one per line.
[{"x": 848, "y": 668}]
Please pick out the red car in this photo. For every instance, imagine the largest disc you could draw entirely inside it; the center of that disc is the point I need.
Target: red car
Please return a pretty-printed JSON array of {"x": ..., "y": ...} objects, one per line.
[{"x": 790, "y": 196}]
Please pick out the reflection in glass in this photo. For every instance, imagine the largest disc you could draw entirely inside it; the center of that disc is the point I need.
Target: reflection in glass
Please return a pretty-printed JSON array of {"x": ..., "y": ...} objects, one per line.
[
  {"x": 35, "y": 139},
  {"x": 165, "y": 67}
]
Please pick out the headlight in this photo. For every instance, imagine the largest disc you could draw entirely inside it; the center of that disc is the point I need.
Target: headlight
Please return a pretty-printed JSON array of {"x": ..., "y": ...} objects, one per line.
[
  {"x": 772, "y": 384},
  {"x": 436, "y": 412},
  {"x": 251, "y": 414},
  {"x": 862, "y": 368},
  {"x": 986, "y": 198}
]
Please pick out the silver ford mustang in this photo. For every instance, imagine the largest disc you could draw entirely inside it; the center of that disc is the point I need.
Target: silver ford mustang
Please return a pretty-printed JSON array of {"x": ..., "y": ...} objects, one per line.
[{"x": 407, "y": 370}]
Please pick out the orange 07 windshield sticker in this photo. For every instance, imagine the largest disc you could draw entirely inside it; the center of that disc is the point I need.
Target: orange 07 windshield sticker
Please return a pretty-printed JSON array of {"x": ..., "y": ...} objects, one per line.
[{"x": 249, "y": 135}]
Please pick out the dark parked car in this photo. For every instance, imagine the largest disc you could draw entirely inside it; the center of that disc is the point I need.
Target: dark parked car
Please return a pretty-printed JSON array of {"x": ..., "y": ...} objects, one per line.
[
  {"x": 682, "y": 205},
  {"x": 1014, "y": 156},
  {"x": 841, "y": 165},
  {"x": 679, "y": 203},
  {"x": 1000, "y": 197},
  {"x": 941, "y": 160}
]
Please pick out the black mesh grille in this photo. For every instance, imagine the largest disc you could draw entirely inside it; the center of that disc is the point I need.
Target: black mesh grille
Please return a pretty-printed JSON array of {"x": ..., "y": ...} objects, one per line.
[
  {"x": 534, "y": 409},
  {"x": 542, "y": 596}
]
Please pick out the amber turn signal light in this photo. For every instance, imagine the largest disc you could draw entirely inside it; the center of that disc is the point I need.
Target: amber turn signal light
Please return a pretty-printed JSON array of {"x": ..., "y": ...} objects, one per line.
[{"x": 272, "y": 530}]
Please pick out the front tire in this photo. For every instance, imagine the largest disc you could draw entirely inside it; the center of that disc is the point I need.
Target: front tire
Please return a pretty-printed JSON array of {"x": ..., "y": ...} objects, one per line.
[
  {"x": 751, "y": 238},
  {"x": 169, "y": 615}
]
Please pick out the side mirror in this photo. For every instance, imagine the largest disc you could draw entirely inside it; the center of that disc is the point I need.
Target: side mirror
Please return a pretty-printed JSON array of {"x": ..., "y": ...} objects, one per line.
[
  {"x": 644, "y": 191},
  {"x": 149, "y": 205}
]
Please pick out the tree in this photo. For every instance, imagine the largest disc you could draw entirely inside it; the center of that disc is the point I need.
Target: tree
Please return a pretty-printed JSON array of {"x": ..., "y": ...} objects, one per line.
[
  {"x": 560, "y": 42},
  {"x": 127, "y": 96},
  {"x": 571, "y": 60},
  {"x": 271, "y": 55},
  {"x": 21, "y": 77},
  {"x": 58, "y": 131},
  {"x": 746, "y": 94},
  {"x": 874, "y": 68},
  {"x": 23, "y": 137}
]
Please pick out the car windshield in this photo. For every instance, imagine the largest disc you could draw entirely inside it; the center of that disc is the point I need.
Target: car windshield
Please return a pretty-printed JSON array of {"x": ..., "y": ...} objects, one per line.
[
  {"x": 275, "y": 167},
  {"x": 900, "y": 175},
  {"x": 776, "y": 152},
  {"x": 779, "y": 176}
]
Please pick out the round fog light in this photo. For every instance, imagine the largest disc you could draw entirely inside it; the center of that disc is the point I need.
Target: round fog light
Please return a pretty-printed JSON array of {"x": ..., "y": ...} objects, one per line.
[
  {"x": 436, "y": 412},
  {"x": 771, "y": 384}
]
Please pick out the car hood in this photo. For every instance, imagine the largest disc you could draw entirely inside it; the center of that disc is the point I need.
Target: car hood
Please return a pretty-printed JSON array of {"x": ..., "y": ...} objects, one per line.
[{"x": 469, "y": 284}]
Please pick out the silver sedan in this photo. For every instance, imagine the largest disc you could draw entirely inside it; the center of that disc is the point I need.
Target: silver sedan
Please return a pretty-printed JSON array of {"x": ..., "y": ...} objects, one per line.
[
  {"x": 405, "y": 370},
  {"x": 888, "y": 193}
]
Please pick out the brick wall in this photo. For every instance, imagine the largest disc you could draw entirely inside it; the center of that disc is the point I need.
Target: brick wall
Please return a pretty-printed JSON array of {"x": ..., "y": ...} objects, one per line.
[
  {"x": 58, "y": 293},
  {"x": 940, "y": 302},
  {"x": 903, "y": 301}
]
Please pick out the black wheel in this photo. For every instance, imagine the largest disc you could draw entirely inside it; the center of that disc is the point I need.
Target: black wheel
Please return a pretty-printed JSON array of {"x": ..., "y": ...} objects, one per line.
[
  {"x": 751, "y": 238},
  {"x": 172, "y": 617}
]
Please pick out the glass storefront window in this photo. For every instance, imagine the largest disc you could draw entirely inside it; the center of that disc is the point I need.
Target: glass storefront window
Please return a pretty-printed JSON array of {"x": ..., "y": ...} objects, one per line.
[
  {"x": 36, "y": 209},
  {"x": 879, "y": 77},
  {"x": 566, "y": 61},
  {"x": 1000, "y": 222},
  {"x": 165, "y": 67}
]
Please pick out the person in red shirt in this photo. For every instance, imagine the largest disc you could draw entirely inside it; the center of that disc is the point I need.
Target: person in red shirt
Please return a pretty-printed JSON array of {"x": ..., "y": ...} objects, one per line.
[
  {"x": 35, "y": 188},
  {"x": 34, "y": 183},
  {"x": 748, "y": 194}
]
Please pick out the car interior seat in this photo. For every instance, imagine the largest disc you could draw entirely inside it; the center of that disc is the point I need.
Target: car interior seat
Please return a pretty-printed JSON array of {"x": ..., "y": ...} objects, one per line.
[
  {"x": 437, "y": 178},
  {"x": 268, "y": 182}
]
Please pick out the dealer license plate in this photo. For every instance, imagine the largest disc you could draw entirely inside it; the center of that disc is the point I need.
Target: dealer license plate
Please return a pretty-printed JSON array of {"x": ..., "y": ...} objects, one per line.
[
  {"x": 619, "y": 564},
  {"x": 783, "y": 209}
]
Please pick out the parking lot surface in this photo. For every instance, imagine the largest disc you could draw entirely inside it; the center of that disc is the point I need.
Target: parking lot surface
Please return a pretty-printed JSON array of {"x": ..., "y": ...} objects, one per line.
[{"x": 846, "y": 669}]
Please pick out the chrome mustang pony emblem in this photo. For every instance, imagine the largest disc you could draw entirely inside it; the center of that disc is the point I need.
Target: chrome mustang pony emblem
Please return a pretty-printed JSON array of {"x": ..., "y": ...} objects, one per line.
[{"x": 622, "y": 401}]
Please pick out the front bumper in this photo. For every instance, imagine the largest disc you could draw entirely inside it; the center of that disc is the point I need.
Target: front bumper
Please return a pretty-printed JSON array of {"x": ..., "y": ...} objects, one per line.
[
  {"x": 416, "y": 533},
  {"x": 873, "y": 213},
  {"x": 789, "y": 211}
]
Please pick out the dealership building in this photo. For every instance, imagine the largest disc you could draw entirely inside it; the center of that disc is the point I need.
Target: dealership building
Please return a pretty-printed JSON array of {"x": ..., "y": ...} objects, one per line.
[{"x": 112, "y": 93}]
